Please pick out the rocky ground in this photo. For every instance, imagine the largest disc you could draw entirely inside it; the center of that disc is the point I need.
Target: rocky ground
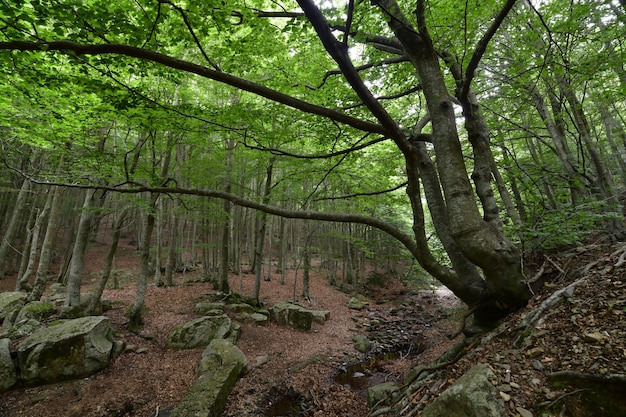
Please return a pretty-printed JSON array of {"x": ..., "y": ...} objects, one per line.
[{"x": 315, "y": 371}]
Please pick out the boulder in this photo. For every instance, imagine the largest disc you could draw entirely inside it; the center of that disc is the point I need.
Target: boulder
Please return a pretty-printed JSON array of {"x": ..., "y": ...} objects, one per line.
[
  {"x": 362, "y": 343},
  {"x": 356, "y": 304},
  {"x": 472, "y": 395},
  {"x": 72, "y": 349},
  {"x": 209, "y": 309},
  {"x": 21, "y": 328},
  {"x": 241, "y": 308},
  {"x": 10, "y": 301},
  {"x": 221, "y": 365},
  {"x": 199, "y": 332},
  {"x": 258, "y": 318},
  {"x": 382, "y": 394},
  {"x": 8, "y": 375},
  {"x": 37, "y": 310},
  {"x": 293, "y": 315}
]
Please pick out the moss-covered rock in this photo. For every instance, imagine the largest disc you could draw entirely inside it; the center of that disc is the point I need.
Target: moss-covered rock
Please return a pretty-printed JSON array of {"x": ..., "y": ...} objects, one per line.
[
  {"x": 199, "y": 332},
  {"x": 8, "y": 375},
  {"x": 37, "y": 310},
  {"x": 72, "y": 349},
  {"x": 10, "y": 301}
]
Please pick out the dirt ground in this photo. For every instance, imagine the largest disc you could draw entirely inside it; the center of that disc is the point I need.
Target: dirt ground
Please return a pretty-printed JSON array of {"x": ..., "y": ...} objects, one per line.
[
  {"x": 584, "y": 333},
  {"x": 150, "y": 377}
]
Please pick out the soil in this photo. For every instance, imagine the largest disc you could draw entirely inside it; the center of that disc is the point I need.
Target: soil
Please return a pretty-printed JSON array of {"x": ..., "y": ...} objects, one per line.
[{"x": 587, "y": 333}]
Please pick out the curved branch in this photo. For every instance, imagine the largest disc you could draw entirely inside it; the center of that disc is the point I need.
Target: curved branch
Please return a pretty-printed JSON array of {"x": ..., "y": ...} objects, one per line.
[{"x": 186, "y": 66}]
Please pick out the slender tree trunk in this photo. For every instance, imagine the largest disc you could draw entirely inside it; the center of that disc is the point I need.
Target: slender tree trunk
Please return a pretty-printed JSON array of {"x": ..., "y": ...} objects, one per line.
[
  {"x": 45, "y": 258},
  {"x": 260, "y": 233},
  {"x": 108, "y": 261},
  {"x": 136, "y": 312},
  {"x": 173, "y": 248},
  {"x": 9, "y": 233},
  {"x": 80, "y": 245}
]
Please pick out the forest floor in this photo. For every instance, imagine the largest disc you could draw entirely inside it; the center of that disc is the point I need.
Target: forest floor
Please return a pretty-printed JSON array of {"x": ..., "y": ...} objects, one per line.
[{"x": 287, "y": 367}]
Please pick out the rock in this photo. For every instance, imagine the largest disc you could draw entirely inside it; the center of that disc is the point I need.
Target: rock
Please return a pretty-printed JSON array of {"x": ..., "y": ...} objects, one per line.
[
  {"x": 72, "y": 349},
  {"x": 8, "y": 374},
  {"x": 523, "y": 412},
  {"x": 357, "y": 304},
  {"x": 594, "y": 337},
  {"x": 320, "y": 316},
  {"x": 362, "y": 343},
  {"x": 22, "y": 328},
  {"x": 381, "y": 394},
  {"x": 221, "y": 365},
  {"x": 472, "y": 395},
  {"x": 10, "y": 301},
  {"x": 199, "y": 332},
  {"x": 293, "y": 315},
  {"x": 262, "y": 360},
  {"x": 209, "y": 309},
  {"x": 37, "y": 310},
  {"x": 257, "y": 318},
  {"x": 241, "y": 308}
]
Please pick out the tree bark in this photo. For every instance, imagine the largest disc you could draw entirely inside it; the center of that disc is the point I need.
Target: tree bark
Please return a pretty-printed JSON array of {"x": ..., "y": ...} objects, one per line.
[{"x": 9, "y": 233}]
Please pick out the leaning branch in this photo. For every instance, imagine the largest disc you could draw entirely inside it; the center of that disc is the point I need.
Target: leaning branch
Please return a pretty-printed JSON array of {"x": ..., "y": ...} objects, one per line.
[{"x": 186, "y": 66}]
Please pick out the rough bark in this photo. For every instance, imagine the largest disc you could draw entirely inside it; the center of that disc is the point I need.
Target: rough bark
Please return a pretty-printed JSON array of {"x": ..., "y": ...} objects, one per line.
[
  {"x": 9, "y": 233},
  {"x": 78, "y": 252}
]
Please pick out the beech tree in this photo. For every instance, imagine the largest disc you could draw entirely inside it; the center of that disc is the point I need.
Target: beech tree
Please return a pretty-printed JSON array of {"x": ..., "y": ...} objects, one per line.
[{"x": 337, "y": 85}]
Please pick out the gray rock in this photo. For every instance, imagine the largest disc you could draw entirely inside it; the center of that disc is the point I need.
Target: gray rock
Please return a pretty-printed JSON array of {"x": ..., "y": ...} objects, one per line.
[
  {"x": 362, "y": 343},
  {"x": 381, "y": 394},
  {"x": 320, "y": 316},
  {"x": 357, "y": 304},
  {"x": 293, "y": 315},
  {"x": 241, "y": 308},
  {"x": 209, "y": 309},
  {"x": 10, "y": 301},
  {"x": 472, "y": 395},
  {"x": 199, "y": 332},
  {"x": 37, "y": 310},
  {"x": 73, "y": 349},
  {"x": 8, "y": 375},
  {"x": 22, "y": 328},
  {"x": 258, "y": 318},
  {"x": 221, "y": 365}
]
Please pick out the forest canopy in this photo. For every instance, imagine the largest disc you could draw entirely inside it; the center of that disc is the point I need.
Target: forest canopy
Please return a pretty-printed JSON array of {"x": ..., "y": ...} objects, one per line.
[{"x": 459, "y": 135}]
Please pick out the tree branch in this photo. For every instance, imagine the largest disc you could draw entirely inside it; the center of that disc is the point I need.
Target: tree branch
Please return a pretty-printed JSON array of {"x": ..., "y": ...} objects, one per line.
[
  {"x": 481, "y": 47},
  {"x": 171, "y": 62}
]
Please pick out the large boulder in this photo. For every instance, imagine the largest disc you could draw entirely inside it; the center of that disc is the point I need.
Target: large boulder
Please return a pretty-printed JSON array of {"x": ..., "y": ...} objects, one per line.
[
  {"x": 199, "y": 332},
  {"x": 293, "y": 315},
  {"x": 72, "y": 349},
  {"x": 472, "y": 395},
  {"x": 221, "y": 365},
  {"x": 10, "y": 301},
  {"x": 8, "y": 375}
]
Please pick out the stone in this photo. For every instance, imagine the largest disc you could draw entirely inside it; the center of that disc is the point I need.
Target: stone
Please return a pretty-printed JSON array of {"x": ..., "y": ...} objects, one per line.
[
  {"x": 472, "y": 395},
  {"x": 220, "y": 367},
  {"x": 8, "y": 374},
  {"x": 10, "y": 301},
  {"x": 523, "y": 412},
  {"x": 37, "y": 310},
  {"x": 199, "y": 332},
  {"x": 382, "y": 394},
  {"x": 362, "y": 343},
  {"x": 72, "y": 349},
  {"x": 293, "y": 315},
  {"x": 356, "y": 304},
  {"x": 22, "y": 328},
  {"x": 258, "y": 318},
  {"x": 241, "y": 308},
  {"x": 262, "y": 360},
  {"x": 320, "y": 316},
  {"x": 209, "y": 309}
]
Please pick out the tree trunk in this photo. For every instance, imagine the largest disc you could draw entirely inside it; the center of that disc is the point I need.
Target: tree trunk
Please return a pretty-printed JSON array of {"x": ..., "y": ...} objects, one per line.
[
  {"x": 261, "y": 222},
  {"x": 9, "y": 233},
  {"x": 108, "y": 261},
  {"x": 80, "y": 245},
  {"x": 48, "y": 244}
]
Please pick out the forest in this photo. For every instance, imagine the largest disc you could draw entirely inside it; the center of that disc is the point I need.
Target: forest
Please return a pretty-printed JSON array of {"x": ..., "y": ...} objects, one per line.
[{"x": 462, "y": 145}]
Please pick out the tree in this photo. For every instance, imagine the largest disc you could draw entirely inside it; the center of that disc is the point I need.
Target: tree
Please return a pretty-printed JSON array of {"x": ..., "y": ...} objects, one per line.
[{"x": 339, "y": 83}]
